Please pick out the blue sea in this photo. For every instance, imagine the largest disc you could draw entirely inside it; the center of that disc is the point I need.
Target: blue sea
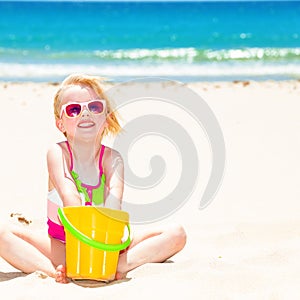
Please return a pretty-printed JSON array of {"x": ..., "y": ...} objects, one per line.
[{"x": 186, "y": 41}]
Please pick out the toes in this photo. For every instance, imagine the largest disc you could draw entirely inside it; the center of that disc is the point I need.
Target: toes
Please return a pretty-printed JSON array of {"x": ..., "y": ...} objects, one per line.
[
  {"x": 120, "y": 276},
  {"x": 60, "y": 274}
]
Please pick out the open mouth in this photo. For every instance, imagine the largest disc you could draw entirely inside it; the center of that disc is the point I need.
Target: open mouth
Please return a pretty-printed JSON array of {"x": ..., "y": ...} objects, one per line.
[{"x": 86, "y": 124}]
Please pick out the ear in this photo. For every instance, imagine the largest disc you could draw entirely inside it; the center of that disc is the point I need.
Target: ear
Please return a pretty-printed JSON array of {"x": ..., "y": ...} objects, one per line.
[
  {"x": 105, "y": 125},
  {"x": 60, "y": 125}
]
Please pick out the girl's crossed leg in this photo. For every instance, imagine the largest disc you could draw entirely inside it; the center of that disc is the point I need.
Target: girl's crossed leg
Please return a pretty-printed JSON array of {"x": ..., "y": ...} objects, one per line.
[
  {"x": 29, "y": 251},
  {"x": 151, "y": 246}
]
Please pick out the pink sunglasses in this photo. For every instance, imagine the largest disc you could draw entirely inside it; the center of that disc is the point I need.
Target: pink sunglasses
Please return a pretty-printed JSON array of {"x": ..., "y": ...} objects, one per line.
[{"x": 74, "y": 109}]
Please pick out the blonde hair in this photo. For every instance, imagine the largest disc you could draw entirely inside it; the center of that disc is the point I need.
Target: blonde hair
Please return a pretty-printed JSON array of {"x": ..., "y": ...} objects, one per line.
[{"x": 96, "y": 84}]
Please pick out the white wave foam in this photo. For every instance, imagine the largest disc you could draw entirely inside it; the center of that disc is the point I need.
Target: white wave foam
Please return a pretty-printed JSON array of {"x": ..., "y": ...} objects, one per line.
[{"x": 46, "y": 71}]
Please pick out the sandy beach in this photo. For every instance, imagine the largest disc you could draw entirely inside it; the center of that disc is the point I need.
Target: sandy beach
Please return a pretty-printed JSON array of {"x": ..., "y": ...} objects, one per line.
[{"x": 244, "y": 245}]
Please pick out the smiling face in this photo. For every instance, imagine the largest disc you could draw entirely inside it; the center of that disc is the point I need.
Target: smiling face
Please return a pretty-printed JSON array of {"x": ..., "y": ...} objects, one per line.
[{"x": 86, "y": 124}]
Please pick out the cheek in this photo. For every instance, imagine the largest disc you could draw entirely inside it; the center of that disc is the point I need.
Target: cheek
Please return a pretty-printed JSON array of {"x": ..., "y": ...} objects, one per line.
[
  {"x": 101, "y": 120},
  {"x": 70, "y": 125}
]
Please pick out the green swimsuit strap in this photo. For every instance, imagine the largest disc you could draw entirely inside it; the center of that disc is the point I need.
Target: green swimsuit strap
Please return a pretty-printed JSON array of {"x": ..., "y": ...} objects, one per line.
[{"x": 92, "y": 194}]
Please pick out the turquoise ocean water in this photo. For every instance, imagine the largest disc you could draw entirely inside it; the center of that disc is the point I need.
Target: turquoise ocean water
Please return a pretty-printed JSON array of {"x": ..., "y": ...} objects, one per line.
[{"x": 187, "y": 41}]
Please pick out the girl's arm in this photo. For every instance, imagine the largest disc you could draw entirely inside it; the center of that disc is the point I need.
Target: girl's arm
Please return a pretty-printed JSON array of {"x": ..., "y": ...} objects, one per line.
[
  {"x": 60, "y": 177},
  {"x": 114, "y": 175}
]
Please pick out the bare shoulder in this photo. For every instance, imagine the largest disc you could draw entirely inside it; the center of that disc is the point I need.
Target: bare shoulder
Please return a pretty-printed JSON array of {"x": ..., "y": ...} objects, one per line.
[{"x": 56, "y": 151}]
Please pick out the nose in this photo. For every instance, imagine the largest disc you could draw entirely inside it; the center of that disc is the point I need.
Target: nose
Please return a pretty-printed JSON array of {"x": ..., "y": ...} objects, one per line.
[{"x": 85, "y": 112}]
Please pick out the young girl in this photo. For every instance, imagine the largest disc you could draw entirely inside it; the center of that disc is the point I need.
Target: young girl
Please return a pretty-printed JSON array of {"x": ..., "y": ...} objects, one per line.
[{"x": 82, "y": 171}]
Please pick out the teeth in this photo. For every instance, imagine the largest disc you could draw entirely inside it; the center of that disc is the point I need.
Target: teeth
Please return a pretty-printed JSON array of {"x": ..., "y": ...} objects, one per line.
[{"x": 85, "y": 124}]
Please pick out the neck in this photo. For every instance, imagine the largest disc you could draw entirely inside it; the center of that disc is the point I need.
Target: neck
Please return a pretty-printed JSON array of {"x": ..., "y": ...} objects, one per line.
[{"x": 85, "y": 152}]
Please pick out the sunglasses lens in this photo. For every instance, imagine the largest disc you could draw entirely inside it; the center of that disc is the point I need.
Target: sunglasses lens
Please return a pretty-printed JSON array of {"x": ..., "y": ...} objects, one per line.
[
  {"x": 73, "y": 110},
  {"x": 96, "y": 107}
]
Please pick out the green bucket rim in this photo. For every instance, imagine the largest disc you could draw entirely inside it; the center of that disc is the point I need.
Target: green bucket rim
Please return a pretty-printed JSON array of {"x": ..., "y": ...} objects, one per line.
[{"x": 87, "y": 240}]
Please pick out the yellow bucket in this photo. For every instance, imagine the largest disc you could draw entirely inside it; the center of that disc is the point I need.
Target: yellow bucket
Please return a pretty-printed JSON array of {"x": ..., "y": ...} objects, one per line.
[{"x": 93, "y": 241}]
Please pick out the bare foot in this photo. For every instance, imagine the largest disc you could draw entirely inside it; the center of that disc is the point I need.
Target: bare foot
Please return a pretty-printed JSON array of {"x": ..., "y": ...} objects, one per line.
[
  {"x": 120, "y": 276},
  {"x": 61, "y": 274},
  {"x": 122, "y": 264}
]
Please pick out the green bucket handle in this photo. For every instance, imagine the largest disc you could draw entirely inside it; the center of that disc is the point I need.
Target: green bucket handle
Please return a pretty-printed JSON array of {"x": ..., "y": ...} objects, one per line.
[{"x": 85, "y": 239}]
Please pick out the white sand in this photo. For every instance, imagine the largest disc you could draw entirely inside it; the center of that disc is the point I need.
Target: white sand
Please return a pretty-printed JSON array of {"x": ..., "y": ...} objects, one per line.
[{"x": 244, "y": 245}]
